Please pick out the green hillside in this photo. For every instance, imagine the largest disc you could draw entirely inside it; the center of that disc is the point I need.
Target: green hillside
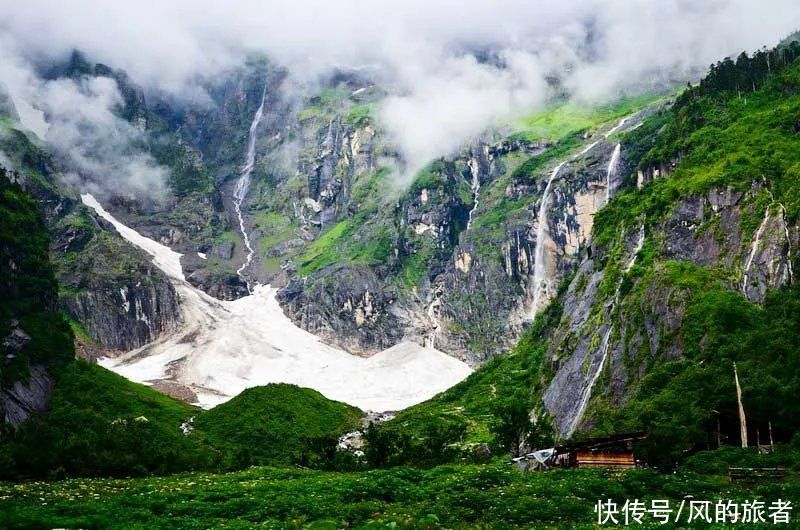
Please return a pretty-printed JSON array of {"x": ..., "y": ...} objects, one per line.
[
  {"x": 277, "y": 425},
  {"x": 101, "y": 424},
  {"x": 718, "y": 137}
]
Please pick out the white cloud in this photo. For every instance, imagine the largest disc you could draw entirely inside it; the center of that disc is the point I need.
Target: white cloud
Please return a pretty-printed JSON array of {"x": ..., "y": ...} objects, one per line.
[{"x": 421, "y": 49}]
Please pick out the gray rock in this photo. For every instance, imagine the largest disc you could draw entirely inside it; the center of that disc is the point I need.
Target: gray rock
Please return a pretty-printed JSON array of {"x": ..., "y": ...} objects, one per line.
[{"x": 23, "y": 399}]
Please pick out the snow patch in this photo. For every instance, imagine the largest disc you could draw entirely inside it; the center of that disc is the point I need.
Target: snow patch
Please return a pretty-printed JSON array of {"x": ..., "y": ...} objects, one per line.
[{"x": 224, "y": 347}]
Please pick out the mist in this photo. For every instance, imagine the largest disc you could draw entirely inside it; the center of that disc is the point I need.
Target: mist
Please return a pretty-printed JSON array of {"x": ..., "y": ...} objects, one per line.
[{"x": 432, "y": 56}]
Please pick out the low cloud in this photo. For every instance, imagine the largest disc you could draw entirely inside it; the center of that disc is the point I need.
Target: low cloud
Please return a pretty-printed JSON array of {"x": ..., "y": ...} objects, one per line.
[
  {"x": 101, "y": 148},
  {"x": 452, "y": 67}
]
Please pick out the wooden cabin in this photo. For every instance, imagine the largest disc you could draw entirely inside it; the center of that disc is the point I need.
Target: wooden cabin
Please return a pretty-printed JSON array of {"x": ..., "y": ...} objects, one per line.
[{"x": 615, "y": 451}]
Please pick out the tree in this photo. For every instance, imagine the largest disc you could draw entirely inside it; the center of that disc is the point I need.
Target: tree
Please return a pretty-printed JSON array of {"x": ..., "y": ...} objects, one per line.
[{"x": 513, "y": 429}]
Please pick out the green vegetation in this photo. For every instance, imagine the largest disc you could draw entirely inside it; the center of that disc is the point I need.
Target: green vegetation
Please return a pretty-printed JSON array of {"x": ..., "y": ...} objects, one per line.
[
  {"x": 29, "y": 288},
  {"x": 103, "y": 424},
  {"x": 567, "y": 118},
  {"x": 349, "y": 241},
  {"x": 469, "y": 496},
  {"x": 465, "y": 419},
  {"x": 681, "y": 403},
  {"x": 277, "y": 425},
  {"x": 358, "y": 116},
  {"x": 712, "y": 137},
  {"x": 720, "y": 140}
]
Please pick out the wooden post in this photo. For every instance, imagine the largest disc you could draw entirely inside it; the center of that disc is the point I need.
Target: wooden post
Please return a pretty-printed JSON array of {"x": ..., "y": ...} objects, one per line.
[
  {"x": 742, "y": 418},
  {"x": 771, "y": 444}
]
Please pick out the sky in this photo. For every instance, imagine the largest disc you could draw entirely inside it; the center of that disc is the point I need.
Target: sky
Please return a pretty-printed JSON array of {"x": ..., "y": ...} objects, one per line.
[{"x": 441, "y": 96}]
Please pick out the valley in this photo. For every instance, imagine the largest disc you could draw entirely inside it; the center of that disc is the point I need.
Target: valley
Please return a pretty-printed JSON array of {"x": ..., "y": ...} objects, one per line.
[{"x": 259, "y": 302}]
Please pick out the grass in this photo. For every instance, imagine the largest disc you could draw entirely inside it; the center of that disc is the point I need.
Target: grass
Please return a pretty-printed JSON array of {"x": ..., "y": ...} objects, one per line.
[
  {"x": 489, "y": 496},
  {"x": 275, "y": 424},
  {"x": 564, "y": 119},
  {"x": 103, "y": 424},
  {"x": 733, "y": 142}
]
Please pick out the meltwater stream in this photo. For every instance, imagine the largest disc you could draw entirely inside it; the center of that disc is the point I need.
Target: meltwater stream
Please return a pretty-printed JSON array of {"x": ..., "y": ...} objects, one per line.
[
  {"x": 243, "y": 186},
  {"x": 539, "y": 269},
  {"x": 223, "y": 347}
]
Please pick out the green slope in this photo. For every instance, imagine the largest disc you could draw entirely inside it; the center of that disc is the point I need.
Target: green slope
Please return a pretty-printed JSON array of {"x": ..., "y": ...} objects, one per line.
[
  {"x": 103, "y": 424},
  {"x": 277, "y": 425},
  {"x": 29, "y": 288},
  {"x": 718, "y": 137}
]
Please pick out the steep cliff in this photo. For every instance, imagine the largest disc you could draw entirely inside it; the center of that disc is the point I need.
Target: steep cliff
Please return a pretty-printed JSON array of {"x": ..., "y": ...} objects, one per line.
[
  {"x": 36, "y": 340},
  {"x": 109, "y": 289},
  {"x": 688, "y": 269},
  {"x": 709, "y": 236}
]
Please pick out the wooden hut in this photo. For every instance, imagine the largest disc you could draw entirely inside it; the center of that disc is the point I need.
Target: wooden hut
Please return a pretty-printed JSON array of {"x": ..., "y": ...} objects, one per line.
[{"x": 615, "y": 451}]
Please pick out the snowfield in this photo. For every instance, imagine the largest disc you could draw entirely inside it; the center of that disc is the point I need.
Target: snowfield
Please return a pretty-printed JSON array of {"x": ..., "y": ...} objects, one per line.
[{"x": 222, "y": 348}]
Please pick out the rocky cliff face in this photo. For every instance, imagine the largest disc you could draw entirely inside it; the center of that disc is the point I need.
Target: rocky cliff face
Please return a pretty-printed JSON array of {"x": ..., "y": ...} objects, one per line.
[
  {"x": 620, "y": 320},
  {"x": 34, "y": 339},
  {"x": 460, "y": 260},
  {"x": 110, "y": 289}
]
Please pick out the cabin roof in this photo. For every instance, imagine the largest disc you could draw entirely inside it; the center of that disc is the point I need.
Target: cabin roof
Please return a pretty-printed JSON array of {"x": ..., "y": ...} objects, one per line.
[{"x": 602, "y": 442}]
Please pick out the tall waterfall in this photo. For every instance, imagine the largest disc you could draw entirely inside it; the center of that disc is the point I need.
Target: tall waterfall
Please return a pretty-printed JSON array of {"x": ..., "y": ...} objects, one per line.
[
  {"x": 753, "y": 250},
  {"x": 475, "y": 170},
  {"x": 539, "y": 269},
  {"x": 587, "y": 392},
  {"x": 243, "y": 185},
  {"x": 612, "y": 170}
]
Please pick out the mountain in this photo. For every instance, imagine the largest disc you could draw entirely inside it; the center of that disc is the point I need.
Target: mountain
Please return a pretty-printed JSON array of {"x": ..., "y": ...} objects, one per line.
[
  {"x": 602, "y": 268},
  {"x": 690, "y": 270}
]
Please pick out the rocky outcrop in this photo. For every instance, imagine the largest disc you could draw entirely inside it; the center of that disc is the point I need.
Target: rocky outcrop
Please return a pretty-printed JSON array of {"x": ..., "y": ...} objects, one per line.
[
  {"x": 112, "y": 289},
  {"x": 744, "y": 232},
  {"x": 347, "y": 306},
  {"x": 609, "y": 339},
  {"x": 27, "y": 397}
]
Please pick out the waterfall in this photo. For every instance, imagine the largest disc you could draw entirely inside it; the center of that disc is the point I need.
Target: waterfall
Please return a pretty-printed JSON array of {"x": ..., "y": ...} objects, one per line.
[
  {"x": 636, "y": 250},
  {"x": 587, "y": 392},
  {"x": 539, "y": 270},
  {"x": 433, "y": 316},
  {"x": 243, "y": 185},
  {"x": 611, "y": 171},
  {"x": 753, "y": 250},
  {"x": 788, "y": 244},
  {"x": 616, "y": 127},
  {"x": 475, "y": 169}
]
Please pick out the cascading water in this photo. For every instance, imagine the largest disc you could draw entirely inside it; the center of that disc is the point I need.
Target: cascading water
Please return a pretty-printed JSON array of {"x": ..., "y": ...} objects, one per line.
[
  {"x": 788, "y": 245},
  {"x": 475, "y": 169},
  {"x": 243, "y": 186},
  {"x": 612, "y": 170},
  {"x": 587, "y": 392},
  {"x": 753, "y": 250},
  {"x": 617, "y": 127},
  {"x": 539, "y": 269}
]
